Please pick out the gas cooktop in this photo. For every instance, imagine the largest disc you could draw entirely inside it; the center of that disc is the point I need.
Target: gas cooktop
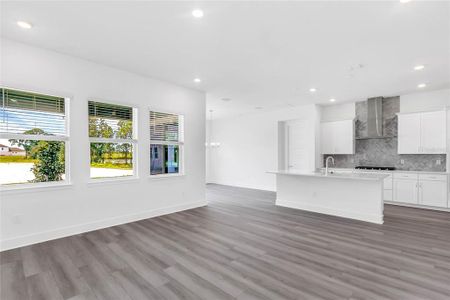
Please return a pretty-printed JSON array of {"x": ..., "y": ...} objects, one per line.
[{"x": 375, "y": 168}]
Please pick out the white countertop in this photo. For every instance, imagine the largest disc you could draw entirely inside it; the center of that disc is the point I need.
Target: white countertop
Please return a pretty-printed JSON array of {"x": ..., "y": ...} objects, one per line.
[
  {"x": 384, "y": 171},
  {"x": 353, "y": 176}
]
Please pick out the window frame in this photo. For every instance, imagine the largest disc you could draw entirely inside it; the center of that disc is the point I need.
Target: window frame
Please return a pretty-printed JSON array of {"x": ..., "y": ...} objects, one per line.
[
  {"x": 180, "y": 144},
  {"x": 133, "y": 141},
  {"x": 39, "y": 137}
]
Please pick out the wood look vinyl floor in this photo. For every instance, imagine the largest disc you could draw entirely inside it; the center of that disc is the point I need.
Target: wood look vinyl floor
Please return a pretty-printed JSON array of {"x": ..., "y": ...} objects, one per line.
[{"x": 241, "y": 246}]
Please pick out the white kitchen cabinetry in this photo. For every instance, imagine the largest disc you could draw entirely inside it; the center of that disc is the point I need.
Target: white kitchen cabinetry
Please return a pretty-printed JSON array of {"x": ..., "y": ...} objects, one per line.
[
  {"x": 408, "y": 133},
  {"x": 423, "y": 189},
  {"x": 422, "y": 133},
  {"x": 405, "y": 188},
  {"x": 433, "y": 190},
  {"x": 338, "y": 137}
]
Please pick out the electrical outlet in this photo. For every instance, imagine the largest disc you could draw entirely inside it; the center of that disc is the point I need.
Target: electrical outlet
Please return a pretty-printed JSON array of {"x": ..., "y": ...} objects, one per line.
[
  {"x": 402, "y": 161},
  {"x": 438, "y": 162}
]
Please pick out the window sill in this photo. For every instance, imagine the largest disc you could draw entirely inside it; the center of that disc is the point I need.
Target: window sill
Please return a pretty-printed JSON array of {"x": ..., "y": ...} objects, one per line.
[
  {"x": 112, "y": 180},
  {"x": 33, "y": 187},
  {"x": 165, "y": 176}
]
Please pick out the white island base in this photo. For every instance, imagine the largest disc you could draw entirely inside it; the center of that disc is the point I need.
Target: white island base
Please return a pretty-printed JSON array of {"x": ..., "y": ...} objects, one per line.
[{"x": 354, "y": 196}]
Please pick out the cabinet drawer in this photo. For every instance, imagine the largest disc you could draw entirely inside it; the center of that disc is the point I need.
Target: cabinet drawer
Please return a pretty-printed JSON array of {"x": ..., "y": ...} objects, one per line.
[
  {"x": 387, "y": 195},
  {"x": 406, "y": 175},
  {"x": 438, "y": 177}
]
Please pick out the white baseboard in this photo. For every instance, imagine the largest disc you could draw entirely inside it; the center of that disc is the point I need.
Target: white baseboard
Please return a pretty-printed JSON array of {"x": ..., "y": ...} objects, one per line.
[
  {"x": 417, "y": 206},
  {"x": 40, "y": 237},
  {"x": 334, "y": 212}
]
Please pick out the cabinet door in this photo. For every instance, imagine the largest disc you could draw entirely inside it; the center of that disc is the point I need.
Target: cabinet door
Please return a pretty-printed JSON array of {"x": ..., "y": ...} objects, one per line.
[
  {"x": 405, "y": 190},
  {"x": 327, "y": 138},
  {"x": 433, "y": 132},
  {"x": 344, "y": 137},
  {"x": 409, "y": 134},
  {"x": 337, "y": 137},
  {"x": 433, "y": 193}
]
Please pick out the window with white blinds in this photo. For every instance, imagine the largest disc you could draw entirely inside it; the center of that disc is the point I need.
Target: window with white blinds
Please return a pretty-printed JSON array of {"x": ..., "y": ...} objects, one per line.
[
  {"x": 113, "y": 142},
  {"x": 34, "y": 139},
  {"x": 166, "y": 143}
]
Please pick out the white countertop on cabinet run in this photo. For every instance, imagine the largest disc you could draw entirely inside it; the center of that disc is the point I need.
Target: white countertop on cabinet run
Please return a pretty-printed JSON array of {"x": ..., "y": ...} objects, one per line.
[
  {"x": 384, "y": 171},
  {"x": 336, "y": 175}
]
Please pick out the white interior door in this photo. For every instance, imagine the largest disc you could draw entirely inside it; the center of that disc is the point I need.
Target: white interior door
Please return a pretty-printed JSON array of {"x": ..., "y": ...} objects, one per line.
[{"x": 297, "y": 145}]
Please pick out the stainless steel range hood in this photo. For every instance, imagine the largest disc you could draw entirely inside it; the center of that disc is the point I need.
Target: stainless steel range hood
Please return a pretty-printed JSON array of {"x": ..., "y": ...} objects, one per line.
[{"x": 374, "y": 118}]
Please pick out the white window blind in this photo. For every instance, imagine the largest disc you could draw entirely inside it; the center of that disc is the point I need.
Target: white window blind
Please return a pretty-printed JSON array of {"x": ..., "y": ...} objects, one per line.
[
  {"x": 29, "y": 113},
  {"x": 110, "y": 120},
  {"x": 165, "y": 127}
]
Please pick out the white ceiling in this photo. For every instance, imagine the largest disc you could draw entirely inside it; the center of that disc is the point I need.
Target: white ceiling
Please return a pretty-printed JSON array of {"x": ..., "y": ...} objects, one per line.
[{"x": 265, "y": 54}]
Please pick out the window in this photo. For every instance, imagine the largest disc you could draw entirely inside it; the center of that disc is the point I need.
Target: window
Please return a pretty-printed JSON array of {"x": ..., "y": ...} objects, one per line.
[
  {"x": 33, "y": 137},
  {"x": 166, "y": 143},
  {"x": 113, "y": 144}
]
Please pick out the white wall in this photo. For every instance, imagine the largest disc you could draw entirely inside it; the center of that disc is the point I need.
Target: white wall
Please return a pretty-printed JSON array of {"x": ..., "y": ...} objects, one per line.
[
  {"x": 249, "y": 146},
  {"x": 338, "y": 112},
  {"x": 35, "y": 215},
  {"x": 425, "y": 101}
]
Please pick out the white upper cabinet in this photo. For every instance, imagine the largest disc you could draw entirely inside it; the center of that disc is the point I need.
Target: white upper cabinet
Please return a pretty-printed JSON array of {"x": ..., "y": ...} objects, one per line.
[
  {"x": 433, "y": 132},
  {"x": 422, "y": 133},
  {"x": 408, "y": 133},
  {"x": 338, "y": 137}
]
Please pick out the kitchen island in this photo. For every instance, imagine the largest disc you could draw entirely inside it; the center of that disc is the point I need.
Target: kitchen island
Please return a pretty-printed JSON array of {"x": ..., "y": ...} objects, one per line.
[{"x": 349, "y": 195}]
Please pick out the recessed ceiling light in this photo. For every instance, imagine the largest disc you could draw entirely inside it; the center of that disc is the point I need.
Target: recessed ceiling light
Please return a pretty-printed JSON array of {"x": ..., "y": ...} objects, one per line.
[
  {"x": 197, "y": 80},
  {"x": 332, "y": 100},
  {"x": 404, "y": 1},
  {"x": 197, "y": 13},
  {"x": 312, "y": 90},
  {"x": 421, "y": 86},
  {"x": 419, "y": 67},
  {"x": 24, "y": 25}
]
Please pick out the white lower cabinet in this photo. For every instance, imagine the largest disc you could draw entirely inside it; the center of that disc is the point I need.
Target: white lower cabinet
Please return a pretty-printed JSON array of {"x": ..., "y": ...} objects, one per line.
[
  {"x": 433, "y": 193},
  {"x": 405, "y": 190},
  {"x": 422, "y": 189}
]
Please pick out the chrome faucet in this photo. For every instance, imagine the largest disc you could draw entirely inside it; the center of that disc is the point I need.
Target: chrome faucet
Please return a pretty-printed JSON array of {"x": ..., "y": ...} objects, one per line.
[{"x": 326, "y": 163}]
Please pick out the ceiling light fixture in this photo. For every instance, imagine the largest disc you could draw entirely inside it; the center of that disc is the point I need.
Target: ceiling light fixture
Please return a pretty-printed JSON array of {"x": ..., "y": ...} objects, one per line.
[
  {"x": 24, "y": 25},
  {"x": 332, "y": 100},
  {"x": 404, "y": 1},
  {"x": 197, "y": 13},
  {"x": 197, "y": 80},
  {"x": 312, "y": 90},
  {"x": 421, "y": 86},
  {"x": 419, "y": 67}
]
